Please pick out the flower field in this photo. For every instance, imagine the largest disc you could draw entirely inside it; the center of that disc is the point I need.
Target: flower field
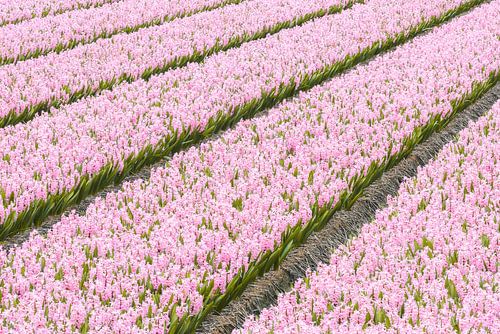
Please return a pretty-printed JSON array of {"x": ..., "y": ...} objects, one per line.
[
  {"x": 56, "y": 33},
  {"x": 202, "y": 142},
  {"x": 130, "y": 57},
  {"x": 428, "y": 263},
  {"x": 103, "y": 137},
  {"x": 13, "y": 11}
]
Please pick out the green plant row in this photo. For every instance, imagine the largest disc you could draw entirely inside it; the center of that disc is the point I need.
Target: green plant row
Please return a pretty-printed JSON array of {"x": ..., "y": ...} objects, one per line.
[
  {"x": 47, "y": 12},
  {"x": 14, "y": 117},
  {"x": 110, "y": 174},
  {"x": 105, "y": 34},
  {"x": 296, "y": 235}
]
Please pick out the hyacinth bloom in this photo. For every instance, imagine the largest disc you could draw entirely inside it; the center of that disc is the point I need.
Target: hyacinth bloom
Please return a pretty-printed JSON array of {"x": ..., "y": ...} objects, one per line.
[
  {"x": 90, "y": 67},
  {"x": 43, "y": 34},
  {"x": 12, "y": 11},
  {"x": 54, "y": 153},
  {"x": 158, "y": 250},
  {"x": 427, "y": 264}
]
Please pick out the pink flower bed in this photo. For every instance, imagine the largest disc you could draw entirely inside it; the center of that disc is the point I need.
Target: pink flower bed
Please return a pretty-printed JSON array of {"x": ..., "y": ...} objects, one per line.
[
  {"x": 214, "y": 209},
  {"x": 60, "y": 31},
  {"x": 53, "y": 152},
  {"x": 13, "y": 11},
  {"x": 427, "y": 264},
  {"x": 57, "y": 76}
]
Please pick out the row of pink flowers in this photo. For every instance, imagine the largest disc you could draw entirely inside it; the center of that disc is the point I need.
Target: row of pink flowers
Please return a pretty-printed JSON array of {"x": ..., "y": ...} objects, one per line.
[
  {"x": 427, "y": 264},
  {"x": 14, "y": 11},
  {"x": 57, "y": 76},
  {"x": 53, "y": 152},
  {"x": 215, "y": 208},
  {"x": 59, "y": 31}
]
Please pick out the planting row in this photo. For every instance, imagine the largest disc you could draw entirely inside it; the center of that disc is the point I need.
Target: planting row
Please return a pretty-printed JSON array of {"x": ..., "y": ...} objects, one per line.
[
  {"x": 55, "y": 33},
  {"x": 15, "y": 11},
  {"x": 427, "y": 264},
  {"x": 188, "y": 240},
  {"x": 60, "y": 158},
  {"x": 33, "y": 85}
]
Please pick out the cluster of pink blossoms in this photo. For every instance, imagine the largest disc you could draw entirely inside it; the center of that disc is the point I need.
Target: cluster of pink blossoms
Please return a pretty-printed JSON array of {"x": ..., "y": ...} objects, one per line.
[
  {"x": 13, "y": 11},
  {"x": 53, "y": 152},
  {"x": 44, "y": 34},
  {"x": 427, "y": 264},
  {"x": 58, "y": 76},
  {"x": 162, "y": 246}
]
